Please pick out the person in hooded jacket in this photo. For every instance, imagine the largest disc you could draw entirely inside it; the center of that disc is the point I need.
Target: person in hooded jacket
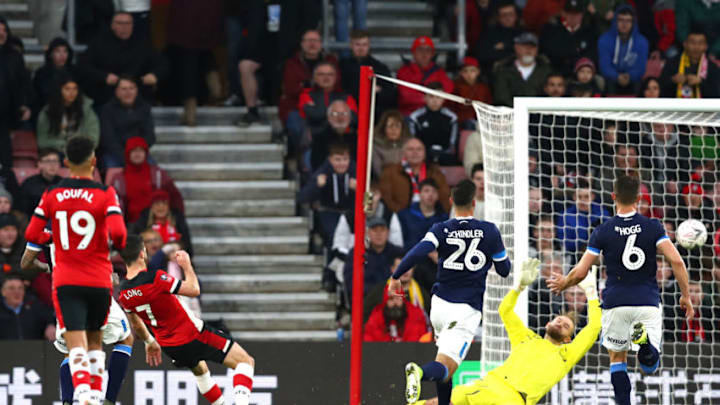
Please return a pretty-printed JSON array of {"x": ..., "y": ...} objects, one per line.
[
  {"x": 58, "y": 64},
  {"x": 623, "y": 53},
  {"x": 395, "y": 320}
]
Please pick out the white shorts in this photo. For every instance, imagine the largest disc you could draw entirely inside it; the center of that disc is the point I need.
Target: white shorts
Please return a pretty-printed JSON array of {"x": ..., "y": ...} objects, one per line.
[
  {"x": 618, "y": 322},
  {"x": 115, "y": 330},
  {"x": 455, "y": 326}
]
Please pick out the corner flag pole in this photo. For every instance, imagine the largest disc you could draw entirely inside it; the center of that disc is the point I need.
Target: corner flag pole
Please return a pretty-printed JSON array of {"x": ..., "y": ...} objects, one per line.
[{"x": 366, "y": 74}]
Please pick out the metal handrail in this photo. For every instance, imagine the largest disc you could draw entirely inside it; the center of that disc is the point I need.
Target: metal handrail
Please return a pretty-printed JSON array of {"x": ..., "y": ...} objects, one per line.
[{"x": 72, "y": 40}]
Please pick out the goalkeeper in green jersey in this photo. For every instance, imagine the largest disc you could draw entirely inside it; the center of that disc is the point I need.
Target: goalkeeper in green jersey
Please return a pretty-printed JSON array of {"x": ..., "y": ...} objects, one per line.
[{"x": 535, "y": 363}]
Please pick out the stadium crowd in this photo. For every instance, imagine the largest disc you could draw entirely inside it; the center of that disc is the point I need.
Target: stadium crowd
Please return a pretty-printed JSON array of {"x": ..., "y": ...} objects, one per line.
[{"x": 257, "y": 52}]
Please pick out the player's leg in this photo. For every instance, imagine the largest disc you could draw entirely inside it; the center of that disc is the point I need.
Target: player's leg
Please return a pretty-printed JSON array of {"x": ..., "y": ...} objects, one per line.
[
  {"x": 98, "y": 301},
  {"x": 117, "y": 368},
  {"x": 206, "y": 385},
  {"x": 66, "y": 385},
  {"x": 619, "y": 377},
  {"x": 647, "y": 333},
  {"x": 71, "y": 313},
  {"x": 243, "y": 366},
  {"x": 616, "y": 324}
]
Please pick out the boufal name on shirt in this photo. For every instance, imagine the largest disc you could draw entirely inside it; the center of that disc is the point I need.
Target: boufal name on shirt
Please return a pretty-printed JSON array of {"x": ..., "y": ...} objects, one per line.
[{"x": 74, "y": 193}]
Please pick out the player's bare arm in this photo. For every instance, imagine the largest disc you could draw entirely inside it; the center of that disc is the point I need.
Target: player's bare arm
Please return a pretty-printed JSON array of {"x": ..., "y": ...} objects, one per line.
[
  {"x": 558, "y": 283},
  {"x": 29, "y": 262},
  {"x": 671, "y": 254},
  {"x": 190, "y": 287},
  {"x": 153, "y": 353}
]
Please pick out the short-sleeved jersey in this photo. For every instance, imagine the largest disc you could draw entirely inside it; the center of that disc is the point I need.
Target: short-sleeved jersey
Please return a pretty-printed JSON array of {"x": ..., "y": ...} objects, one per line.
[
  {"x": 629, "y": 247},
  {"x": 151, "y": 295},
  {"x": 466, "y": 250},
  {"x": 78, "y": 210}
]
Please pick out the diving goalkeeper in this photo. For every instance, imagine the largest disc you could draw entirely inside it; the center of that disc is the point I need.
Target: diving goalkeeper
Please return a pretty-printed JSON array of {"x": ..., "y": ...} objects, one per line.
[{"x": 535, "y": 364}]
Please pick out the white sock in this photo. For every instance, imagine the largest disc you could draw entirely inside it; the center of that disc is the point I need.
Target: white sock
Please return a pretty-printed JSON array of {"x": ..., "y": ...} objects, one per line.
[
  {"x": 97, "y": 368},
  {"x": 242, "y": 383},
  {"x": 209, "y": 389},
  {"x": 80, "y": 372}
]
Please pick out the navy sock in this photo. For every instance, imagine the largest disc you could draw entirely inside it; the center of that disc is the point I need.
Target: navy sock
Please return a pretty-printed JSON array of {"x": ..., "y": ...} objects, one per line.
[
  {"x": 434, "y": 371},
  {"x": 117, "y": 368},
  {"x": 620, "y": 382},
  {"x": 648, "y": 357},
  {"x": 444, "y": 392},
  {"x": 66, "y": 385}
]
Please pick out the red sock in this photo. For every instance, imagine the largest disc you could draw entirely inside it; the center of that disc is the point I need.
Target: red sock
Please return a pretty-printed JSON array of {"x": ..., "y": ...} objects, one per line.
[
  {"x": 213, "y": 395},
  {"x": 81, "y": 377},
  {"x": 96, "y": 383}
]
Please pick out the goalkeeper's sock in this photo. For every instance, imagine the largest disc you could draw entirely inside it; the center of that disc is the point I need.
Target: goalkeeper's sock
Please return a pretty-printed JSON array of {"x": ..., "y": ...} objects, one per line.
[
  {"x": 434, "y": 371},
  {"x": 648, "y": 357},
  {"x": 620, "y": 382},
  {"x": 66, "y": 384},
  {"x": 444, "y": 391},
  {"x": 117, "y": 369}
]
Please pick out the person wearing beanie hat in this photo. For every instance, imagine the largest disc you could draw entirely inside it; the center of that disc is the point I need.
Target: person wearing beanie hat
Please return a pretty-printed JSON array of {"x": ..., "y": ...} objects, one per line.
[
  {"x": 468, "y": 85},
  {"x": 623, "y": 53},
  {"x": 422, "y": 70},
  {"x": 585, "y": 75},
  {"x": 169, "y": 223},
  {"x": 12, "y": 244}
]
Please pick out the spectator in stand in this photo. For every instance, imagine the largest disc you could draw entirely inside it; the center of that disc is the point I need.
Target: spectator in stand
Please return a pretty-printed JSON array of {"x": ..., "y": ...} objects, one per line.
[
  {"x": 468, "y": 85},
  {"x": 337, "y": 130},
  {"x": 665, "y": 25},
  {"x": 499, "y": 38},
  {"x": 22, "y": 319},
  {"x": 554, "y": 85},
  {"x": 331, "y": 191},
  {"x": 700, "y": 327},
  {"x": 691, "y": 74},
  {"x": 399, "y": 183},
  {"x": 585, "y": 75},
  {"x": 543, "y": 236},
  {"x": 8, "y": 182},
  {"x": 575, "y": 224},
  {"x": 58, "y": 65},
  {"x": 649, "y": 88},
  {"x": 34, "y": 186},
  {"x": 342, "y": 12},
  {"x": 522, "y": 74},
  {"x": 417, "y": 296},
  {"x": 379, "y": 257},
  {"x": 537, "y": 13},
  {"x": 12, "y": 245},
  {"x": 116, "y": 54},
  {"x": 245, "y": 49},
  {"x": 694, "y": 204},
  {"x": 68, "y": 113},
  {"x": 6, "y": 201},
  {"x": 542, "y": 303},
  {"x": 140, "y": 12},
  {"x": 567, "y": 37},
  {"x": 422, "y": 70},
  {"x": 386, "y": 93},
  {"x": 477, "y": 175},
  {"x": 702, "y": 15},
  {"x": 420, "y": 216},
  {"x": 126, "y": 116},
  {"x": 314, "y": 102},
  {"x": 139, "y": 179},
  {"x": 390, "y": 135},
  {"x": 436, "y": 126},
  {"x": 395, "y": 320},
  {"x": 296, "y": 77},
  {"x": 667, "y": 155},
  {"x": 576, "y": 303},
  {"x": 477, "y": 15},
  {"x": 169, "y": 223},
  {"x": 623, "y": 53},
  {"x": 92, "y": 20}
]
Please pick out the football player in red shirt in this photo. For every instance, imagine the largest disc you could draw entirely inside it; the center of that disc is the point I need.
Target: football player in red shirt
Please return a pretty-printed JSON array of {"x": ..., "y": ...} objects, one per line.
[
  {"x": 83, "y": 213},
  {"x": 151, "y": 297}
]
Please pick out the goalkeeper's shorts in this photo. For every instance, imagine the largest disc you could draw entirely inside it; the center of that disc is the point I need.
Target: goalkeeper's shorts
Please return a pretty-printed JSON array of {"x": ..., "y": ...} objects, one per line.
[{"x": 488, "y": 391}]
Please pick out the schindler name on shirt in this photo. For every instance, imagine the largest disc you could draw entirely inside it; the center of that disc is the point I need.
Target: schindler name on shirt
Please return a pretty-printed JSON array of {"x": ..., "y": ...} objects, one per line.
[
  {"x": 466, "y": 233},
  {"x": 628, "y": 230}
]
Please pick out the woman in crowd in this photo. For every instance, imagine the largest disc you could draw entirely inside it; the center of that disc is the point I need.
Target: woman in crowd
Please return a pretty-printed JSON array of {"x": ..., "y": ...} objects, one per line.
[
  {"x": 169, "y": 223},
  {"x": 390, "y": 135}
]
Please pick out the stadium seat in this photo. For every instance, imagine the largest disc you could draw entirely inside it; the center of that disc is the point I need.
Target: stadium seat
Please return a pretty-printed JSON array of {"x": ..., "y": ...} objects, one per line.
[
  {"x": 453, "y": 174},
  {"x": 24, "y": 145},
  {"x": 24, "y": 162},
  {"x": 22, "y": 173},
  {"x": 112, "y": 174},
  {"x": 65, "y": 172},
  {"x": 464, "y": 135}
]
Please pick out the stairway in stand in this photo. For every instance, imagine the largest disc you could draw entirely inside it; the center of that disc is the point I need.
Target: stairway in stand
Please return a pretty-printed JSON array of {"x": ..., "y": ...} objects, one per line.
[{"x": 250, "y": 248}]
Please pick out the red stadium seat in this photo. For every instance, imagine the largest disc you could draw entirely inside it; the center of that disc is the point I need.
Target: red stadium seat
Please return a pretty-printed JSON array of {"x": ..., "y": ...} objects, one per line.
[
  {"x": 24, "y": 162},
  {"x": 112, "y": 174},
  {"x": 464, "y": 135},
  {"x": 24, "y": 145},
  {"x": 22, "y": 173},
  {"x": 453, "y": 174}
]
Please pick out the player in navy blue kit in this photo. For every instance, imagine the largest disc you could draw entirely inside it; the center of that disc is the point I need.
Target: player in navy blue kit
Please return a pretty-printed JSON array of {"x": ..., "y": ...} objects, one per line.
[
  {"x": 629, "y": 243},
  {"x": 467, "y": 248}
]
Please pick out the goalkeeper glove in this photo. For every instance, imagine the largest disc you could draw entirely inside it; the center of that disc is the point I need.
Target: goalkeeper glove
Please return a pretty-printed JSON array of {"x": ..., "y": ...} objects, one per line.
[
  {"x": 527, "y": 274},
  {"x": 589, "y": 284}
]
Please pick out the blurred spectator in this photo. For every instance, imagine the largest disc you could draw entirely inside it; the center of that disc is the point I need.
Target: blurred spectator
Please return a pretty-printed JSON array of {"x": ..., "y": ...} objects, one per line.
[
  {"x": 665, "y": 25},
  {"x": 6, "y": 201},
  {"x": 12, "y": 245},
  {"x": 649, "y": 88},
  {"x": 585, "y": 74},
  {"x": 691, "y": 74},
  {"x": 139, "y": 179},
  {"x": 568, "y": 37},
  {"x": 417, "y": 219},
  {"x": 543, "y": 304},
  {"x": 296, "y": 77},
  {"x": 8, "y": 182},
  {"x": 126, "y": 116},
  {"x": 399, "y": 183},
  {"x": 331, "y": 191},
  {"x": 668, "y": 296},
  {"x": 473, "y": 152},
  {"x": 386, "y": 93},
  {"x": 498, "y": 39},
  {"x": 699, "y": 328},
  {"x": 67, "y": 114},
  {"x": 576, "y": 89},
  {"x": 623, "y": 53},
  {"x": 92, "y": 19},
  {"x": 379, "y": 257},
  {"x": 169, "y": 223},
  {"x": 576, "y": 302},
  {"x": 248, "y": 51},
  {"x": 34, "y": 186},
  {"x": 554, "y": 85},
  {"x": 58, "y": 64},
  {"x": 603, "y": 12},
  {"x": 537, "y": 13},
  {"x": 477, "y": 175},
  {"x": 337, "y": 130},
  {"x": 390, "y": 134},
  {"x": 296, "y": 17},
  {"x": 694, "y": 204},
  {"x": 16, "y": 90},
  {"x": 243, "y": 25},
  {"x": 469, "y": 86},
  {"x": 395, "y": 320},
  {"x": 159, "y": 253},
  {"x": 477, "y": 15},
  {"x": 342, "y": 12},
  {"x": 699, "y": 14},
  {"x": 422, "y": 70},
  {"x": 140, "y": 12},
  {"x": 575, "y": 224},
  {"x": 667, "y": 155},
  {"x": 314, "y": 102},
  {"x": 22, "y": 319},
  {"x": 543, "y": 236},
  {"x": 416, "y": 295},
  {"x": 436, "y": 127},
  {"x": 523, "y": 74},
  {"x": 119, "y": 53}
]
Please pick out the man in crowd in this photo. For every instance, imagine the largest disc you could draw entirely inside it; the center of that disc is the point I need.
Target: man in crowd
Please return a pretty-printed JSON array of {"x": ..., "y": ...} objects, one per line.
[
  {"x": 422, "y": 70},
  {"x": 575, "y": 224},
  {"x": 497, "y": 42},
  {"x": 421, "y": 215},
  {"x": 569, "y": 37},
  {"x": 691, "y": 74},
  {"x": 554, "y": 85},
  {"x": 623, "y": 53},
  {"x": 395, "y": 320},
  {"x": 521, "y": 75},
  {"x": 34, "y": 186},
  {"x": 21, "y": 319}
]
